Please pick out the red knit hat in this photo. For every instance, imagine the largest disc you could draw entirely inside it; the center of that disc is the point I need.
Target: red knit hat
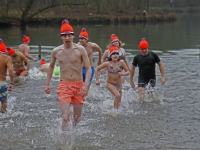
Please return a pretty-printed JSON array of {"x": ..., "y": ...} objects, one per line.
[
  {"x": 66, "y": 28},
  {"x": 2, "y": 46},
  {"x": 113, "y": 48},
  {"x": 10, "y": 51},
  {"x": 114, "y": 38},
  {"x": 42, "y": 62},
  {"x": 84, "y": 34},
  {"x": 26, "y": 39},
  {"x": 143, "y": 44}
]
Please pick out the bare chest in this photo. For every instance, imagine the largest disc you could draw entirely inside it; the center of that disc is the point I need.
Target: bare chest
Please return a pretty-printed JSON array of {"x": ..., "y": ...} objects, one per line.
[
  {"x": 89, "y": 50},
  {"x": 71, "y": 57}
]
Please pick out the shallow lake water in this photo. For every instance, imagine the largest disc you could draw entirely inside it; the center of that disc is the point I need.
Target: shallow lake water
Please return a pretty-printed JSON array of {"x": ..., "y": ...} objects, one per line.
[{"x": 167, "y": 120}]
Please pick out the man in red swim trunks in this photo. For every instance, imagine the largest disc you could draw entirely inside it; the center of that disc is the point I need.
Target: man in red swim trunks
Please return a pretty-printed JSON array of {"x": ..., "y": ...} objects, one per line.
[
  {"x": 18, "y": 61},
  {"x": 71, "y": 89}
]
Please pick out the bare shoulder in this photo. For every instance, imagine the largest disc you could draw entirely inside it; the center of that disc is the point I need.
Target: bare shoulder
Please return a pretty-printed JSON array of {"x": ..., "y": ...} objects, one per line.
[
  {"x": 57, "y": 49},
  {"x": 105, "y": 64},
  {"x": 19, "y": 53},
  {"x": 93, "y": 45},
  {"x": 24, "y": 45},
  {"x": 21, "y": 45},
  {"x": 122, "y": 62},
  {"x": 79, "y": 47},
  {"x": 5, "y": 58}
]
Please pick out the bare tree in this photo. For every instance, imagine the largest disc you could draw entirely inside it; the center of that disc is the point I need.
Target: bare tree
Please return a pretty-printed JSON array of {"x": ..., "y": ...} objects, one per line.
[{"x": 28, "y": 6}]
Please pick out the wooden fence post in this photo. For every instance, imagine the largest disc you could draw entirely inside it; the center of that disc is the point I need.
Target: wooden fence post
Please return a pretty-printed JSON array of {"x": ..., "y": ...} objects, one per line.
[{"x": 39, "y": 52}]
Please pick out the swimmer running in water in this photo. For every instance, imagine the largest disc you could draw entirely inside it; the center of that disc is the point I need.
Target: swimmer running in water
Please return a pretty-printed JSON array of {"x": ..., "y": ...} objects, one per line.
[
  {"x": 71, "y": 89},
  {"x": 90, "y": 48},
  {"x": 18, "y": 61},
  {"x": 5, "y": 64},
  {"x": 114, "y": 67}
]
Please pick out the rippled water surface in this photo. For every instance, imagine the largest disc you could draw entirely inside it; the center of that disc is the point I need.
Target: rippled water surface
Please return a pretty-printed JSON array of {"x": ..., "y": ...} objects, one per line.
[{"x": 167, "y": 120}]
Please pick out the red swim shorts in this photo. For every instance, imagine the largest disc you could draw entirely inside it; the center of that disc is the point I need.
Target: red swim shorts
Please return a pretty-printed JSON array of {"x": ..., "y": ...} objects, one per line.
[
  {"x": 69, "y": 92},
  {"x": 18, "y": 72}
]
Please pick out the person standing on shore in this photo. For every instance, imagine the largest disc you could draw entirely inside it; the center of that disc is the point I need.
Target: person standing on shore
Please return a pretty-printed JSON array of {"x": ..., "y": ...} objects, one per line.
[
  {"x": 5, "y": 64},
  {"x": 90, "y": 47},
  {"x": 71, "y": 89},
  {"x": 25, "y": 49},
  {"x": 18, "y": 61},
  {"x": 146, "y": 61}
]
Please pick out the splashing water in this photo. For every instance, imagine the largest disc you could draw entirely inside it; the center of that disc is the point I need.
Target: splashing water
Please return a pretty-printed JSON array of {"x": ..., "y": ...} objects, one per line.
[{"x": 35, "y": 74}]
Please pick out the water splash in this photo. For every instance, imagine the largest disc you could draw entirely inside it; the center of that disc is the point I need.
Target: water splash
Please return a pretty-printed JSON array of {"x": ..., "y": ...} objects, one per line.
[{"x": 35, "y": 74}]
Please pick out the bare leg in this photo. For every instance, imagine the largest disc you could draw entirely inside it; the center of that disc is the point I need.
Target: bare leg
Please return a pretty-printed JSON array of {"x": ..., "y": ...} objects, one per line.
[
  {"x": 65, "y": 110},
  {"x": 117, "y": 93},
  {"x": 3, "y": 106},
  {"x": 141, "y": 93},
  {"x": 77, "y": 113}
]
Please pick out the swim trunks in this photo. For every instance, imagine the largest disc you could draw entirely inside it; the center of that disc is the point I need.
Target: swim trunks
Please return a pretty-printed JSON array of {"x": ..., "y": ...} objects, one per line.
[
  {"x": 144, "y": 82},
  {"x": 3, "y": 91},
  {"x": 69, "y": 92},
  {"x": 18, "y": 72},
  {"x": 84, "y": 74}
]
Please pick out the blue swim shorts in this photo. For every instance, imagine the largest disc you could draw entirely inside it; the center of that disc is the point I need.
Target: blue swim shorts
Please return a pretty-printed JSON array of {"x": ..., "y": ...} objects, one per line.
[
  {"x": 84, "y": 74},
  {"x": 3, "y": 91}
]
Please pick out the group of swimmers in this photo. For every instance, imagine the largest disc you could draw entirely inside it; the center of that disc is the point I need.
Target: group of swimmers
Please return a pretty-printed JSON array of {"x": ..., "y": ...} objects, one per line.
[
  {"x": 77, "y": 70},
  {"x": 16, "y": 64}
]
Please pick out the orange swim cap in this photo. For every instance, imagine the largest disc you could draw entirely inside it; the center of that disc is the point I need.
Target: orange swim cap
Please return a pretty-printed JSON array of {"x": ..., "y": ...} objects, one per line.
[
  {"x": 42, "y": 62},
  {"x": 2, "y": 46},
  {"x": 113, "y": 48},
  {"x": 26, "y": 39},
  {"x": 10, "y": 51},
  {"x": 84, "y": 34},
  {"x": 143, "y": 44},
  {"x": 114, "y": 38},
  {"x": 66, "y": 28}
]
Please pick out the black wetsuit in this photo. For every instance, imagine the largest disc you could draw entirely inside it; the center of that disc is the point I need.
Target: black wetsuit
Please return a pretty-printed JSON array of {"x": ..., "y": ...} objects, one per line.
[{"x": 146, "y": 66}]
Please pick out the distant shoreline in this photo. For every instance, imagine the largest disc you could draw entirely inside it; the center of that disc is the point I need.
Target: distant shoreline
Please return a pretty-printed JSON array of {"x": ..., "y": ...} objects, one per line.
[
  {"x": 81, "y": 16},
  {"x": 95, "y": 19}
]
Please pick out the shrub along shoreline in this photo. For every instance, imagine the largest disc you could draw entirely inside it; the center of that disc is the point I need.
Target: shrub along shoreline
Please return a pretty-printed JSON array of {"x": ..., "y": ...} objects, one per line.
[{"x": 94, "y": 19}]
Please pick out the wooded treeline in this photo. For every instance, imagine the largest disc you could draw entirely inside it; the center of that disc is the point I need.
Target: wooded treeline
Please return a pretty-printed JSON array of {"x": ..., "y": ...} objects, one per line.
[{"x": 28, "y": 9}]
